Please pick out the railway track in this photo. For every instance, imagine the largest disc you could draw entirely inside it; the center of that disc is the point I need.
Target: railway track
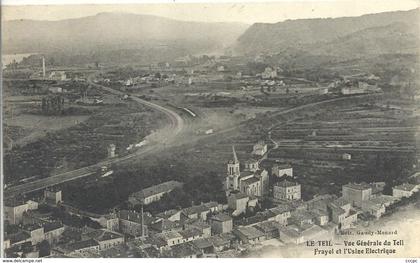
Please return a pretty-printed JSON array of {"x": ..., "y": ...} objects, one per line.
[{"x": 176, "y": 126}]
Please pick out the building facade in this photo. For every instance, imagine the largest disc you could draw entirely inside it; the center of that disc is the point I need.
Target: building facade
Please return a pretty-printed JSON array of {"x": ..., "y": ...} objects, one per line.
[{"x": 287, "y": 190}]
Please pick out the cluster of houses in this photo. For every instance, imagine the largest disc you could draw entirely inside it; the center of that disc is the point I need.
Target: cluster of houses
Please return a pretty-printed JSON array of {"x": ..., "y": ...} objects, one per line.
[{"x": 207, "y": 229}]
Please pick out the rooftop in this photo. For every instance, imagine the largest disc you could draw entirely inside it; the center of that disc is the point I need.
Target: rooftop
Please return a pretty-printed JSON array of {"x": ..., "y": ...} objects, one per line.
[
  {"x": 360, "y": 186},
  {"x": 278, "y": 210},
  {"x": 168, "y": 213},
  {"x": 251, "y": 160},
  {"x": 259, "y": 217},
  {"x": 157, "y": 189},
  {"x": 103, "y": 235},
  {"x": 340, "y": 202},
  {"x": 191, "y": 232},
  {"x": 199, "y": 224},
  {"x": 222, "y": 239},
  {"x": 82, "y": 244},
  {"x": 302, "y": 215},
  {"x": 157, "y": 241},
  {"x": 317, "y": 212},
  {"x": 337, "y": 209},
  {"x": 134, "y": 216},
  {"x": 282, "y": 166},
  {"x": 287, "y": 183},
  {"x": 183, "y": 250},
  {"x": 211, "y": 204},
  {"x": 245, "y": 174},
  {"x": 405, "y": 187},
  {"x": 169, "y": 235},
  {"x": 13, "y": 202},
  {"x": 239, "y": 195},
  {"x": 288, "y": 231},
  {"x": 313, "y": 230},
  {"x": 31, "y": 227},
  {"x": 165, "y": 225},
  {"x": 202, "y": 243},
  {"x": 251, "y": 180},
  {"x": 18, "y": 237},
  {"x": 268, "y": 226},
  {"x": 197, "y": 209},
  {"x": 52, "y": 226},
  {"x": 249, "y": 232},
  {"x": 221, "y": 217}
]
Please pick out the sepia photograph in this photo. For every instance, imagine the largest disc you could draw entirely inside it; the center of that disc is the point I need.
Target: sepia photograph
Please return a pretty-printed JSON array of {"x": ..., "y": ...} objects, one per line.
[{"x": 226, "y": 129}]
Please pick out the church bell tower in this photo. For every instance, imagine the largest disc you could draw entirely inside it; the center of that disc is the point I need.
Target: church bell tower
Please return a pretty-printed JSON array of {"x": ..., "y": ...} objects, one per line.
[{"x": 233, "y": 173}]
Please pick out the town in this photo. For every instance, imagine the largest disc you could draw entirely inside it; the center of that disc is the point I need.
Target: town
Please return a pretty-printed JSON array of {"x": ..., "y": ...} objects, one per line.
[
  {"x": 209, "y": 229},
  {"x": 206, "y": 156}
]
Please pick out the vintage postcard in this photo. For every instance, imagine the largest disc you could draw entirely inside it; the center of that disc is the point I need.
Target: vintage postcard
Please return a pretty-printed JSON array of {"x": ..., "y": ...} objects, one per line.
[{"x": 277, "y": 129}]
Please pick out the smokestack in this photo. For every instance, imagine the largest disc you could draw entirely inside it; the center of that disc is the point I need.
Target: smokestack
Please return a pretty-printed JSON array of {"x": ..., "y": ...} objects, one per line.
[
  {"x": 43, "y": 67},
  {"x": 142, "y": 225}
]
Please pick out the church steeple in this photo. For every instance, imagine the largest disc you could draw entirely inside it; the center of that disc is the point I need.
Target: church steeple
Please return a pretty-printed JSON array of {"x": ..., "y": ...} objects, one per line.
[
  {"x": 235, "y": 158},
  {"x": 233, "y": 172}
]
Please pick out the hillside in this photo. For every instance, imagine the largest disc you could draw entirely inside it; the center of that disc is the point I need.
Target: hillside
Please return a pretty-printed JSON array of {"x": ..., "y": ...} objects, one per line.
[
  {"x": 346, "y": 37},
  {"x": 115, "y": 31}
]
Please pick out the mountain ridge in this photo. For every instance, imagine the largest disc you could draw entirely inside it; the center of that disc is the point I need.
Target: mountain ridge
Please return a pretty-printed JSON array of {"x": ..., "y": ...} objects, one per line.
[{"x": 275, "y": 37}]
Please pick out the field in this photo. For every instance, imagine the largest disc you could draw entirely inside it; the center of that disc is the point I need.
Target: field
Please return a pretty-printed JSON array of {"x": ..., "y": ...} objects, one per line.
[{"x": 43, "y": 144}]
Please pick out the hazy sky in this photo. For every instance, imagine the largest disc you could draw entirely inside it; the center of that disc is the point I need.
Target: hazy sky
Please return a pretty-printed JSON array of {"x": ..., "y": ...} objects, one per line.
[{"x": 234, "y": 11}]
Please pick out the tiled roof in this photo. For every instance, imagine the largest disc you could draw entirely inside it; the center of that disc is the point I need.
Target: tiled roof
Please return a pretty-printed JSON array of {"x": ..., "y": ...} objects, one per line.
[
  {"x": 249, "y": 232},
  {"x": 282, "y": 166},
  {"x": 82, "y": 244},
  {"x": 405, "y": 187},
  {"x": 259, "y": 217},
  {"x": 336, "y": 209},
  {"x": 360, "y": 186},
  {"x": 317, "y": 212},
  {"x": 195, "y": 209},
  {"x": 191, "y": 232},
  {"x": 240, "y": 195},
  {"x": 164, "y": 225},
  {"x": 156, "y": 189},
  {"x": 168, "y": 213},
  {"x": 268, "y": 226},
  {"x": 183, "y": 250},
  {"x": 102, "y": 235},
  {"x": 134, "y": 216},
  {"x": 289, "y": 232},
  {"x": 13, "y": 203},
  {"x": 221, "y": 217},
  {"x": 52, "y": 226},
  {"x": 202, "y": 243},
  {"x": 211, "y": 204},
  {"x": 340, "y": 202},
  {"x": 286, "y": 183},
  {"x": 169, "y": 235},
  {"x": 31, "y": 227},
  {"x": 18, "y": 237},
  {"x": 302, "y": 215},
  {"x": 251, "y": 180},
  {"x": 278, "y": 210}
]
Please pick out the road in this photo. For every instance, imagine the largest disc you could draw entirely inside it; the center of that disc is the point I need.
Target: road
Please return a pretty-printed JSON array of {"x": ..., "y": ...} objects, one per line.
[
  {"x": 176, "y": 126},
  {"x": 272, "y": 118}
]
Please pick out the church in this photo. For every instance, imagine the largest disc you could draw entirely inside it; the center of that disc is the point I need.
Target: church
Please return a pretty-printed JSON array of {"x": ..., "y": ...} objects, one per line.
[{"x": 252, "y": 181}]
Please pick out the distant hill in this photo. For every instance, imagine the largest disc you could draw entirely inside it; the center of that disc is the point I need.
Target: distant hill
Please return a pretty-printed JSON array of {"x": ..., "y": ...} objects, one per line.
[
  {"x": 115, "y": 31},
  {"x": 373, "y": 34}
]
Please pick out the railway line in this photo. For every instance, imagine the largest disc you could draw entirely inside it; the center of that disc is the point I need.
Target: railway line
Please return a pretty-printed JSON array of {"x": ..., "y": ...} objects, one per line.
[{"x": 175, "y": 128}]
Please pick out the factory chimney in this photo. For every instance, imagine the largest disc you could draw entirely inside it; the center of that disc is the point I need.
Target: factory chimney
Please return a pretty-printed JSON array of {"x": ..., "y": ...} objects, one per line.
[
  {"x": 142, "y": 219},
  {"x": 43, "y": 67}
]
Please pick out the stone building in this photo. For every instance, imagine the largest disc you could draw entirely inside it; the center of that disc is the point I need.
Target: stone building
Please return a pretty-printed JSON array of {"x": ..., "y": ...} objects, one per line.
[{"x": 287, "y": 190}]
